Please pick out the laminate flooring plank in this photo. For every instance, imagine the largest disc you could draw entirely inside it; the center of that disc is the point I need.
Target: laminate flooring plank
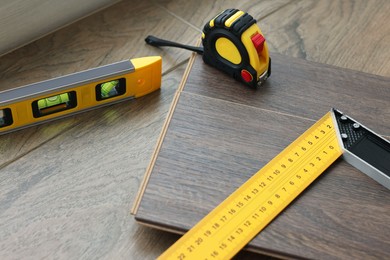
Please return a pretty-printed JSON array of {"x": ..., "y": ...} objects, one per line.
[
  {"x": 303, "y": 89},
  {"x": 103, "y": 38},
  {"x": 203, "y": 132},
  {"x": 71, "y": 197},
  {"x": 212, "y": 146},
  {"x": 201, "y": 150}
]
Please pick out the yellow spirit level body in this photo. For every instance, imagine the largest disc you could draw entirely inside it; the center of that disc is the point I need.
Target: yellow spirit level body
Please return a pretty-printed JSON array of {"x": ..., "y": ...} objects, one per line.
[{"x": 55, "y": 98}]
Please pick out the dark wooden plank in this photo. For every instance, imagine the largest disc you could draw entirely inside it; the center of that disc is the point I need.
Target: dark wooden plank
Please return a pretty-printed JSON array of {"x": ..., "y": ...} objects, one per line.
[
  {"x": 216, "y": 142},
  {"x": 304, "y": 89}
]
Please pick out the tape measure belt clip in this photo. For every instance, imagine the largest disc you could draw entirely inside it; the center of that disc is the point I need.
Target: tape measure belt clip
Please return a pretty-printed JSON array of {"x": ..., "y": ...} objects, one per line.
[
  {"x": 237, "y": 26},
  {"x": 222, "y": 17}
]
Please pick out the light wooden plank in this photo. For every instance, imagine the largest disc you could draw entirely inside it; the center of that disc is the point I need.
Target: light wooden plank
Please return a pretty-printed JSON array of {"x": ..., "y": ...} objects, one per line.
[
  {"x": 198, "y": 13},
  {"x": 71, "y": 196},
  {"x": 22, "y": 22},
  {"x": 103, "y": 38},
  {"x": 349, "y": 34}
]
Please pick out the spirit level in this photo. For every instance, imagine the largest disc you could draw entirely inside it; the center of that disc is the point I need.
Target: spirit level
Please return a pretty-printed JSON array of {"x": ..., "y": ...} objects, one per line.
[
  {"x": 55, "y": 98},
  {"x": 233, "y": 43},
  {"x": 240, "y": 217}
]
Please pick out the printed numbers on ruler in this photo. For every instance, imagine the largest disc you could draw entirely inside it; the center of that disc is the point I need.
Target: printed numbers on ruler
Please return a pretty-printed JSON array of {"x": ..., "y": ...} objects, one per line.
[{"x": 232, "y": 224}]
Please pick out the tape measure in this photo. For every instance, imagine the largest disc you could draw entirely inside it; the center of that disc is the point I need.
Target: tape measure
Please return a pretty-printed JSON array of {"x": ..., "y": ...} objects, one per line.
[
  {"x": 239, "y": 218},
  {"x": 233, "y": 43},
  {"x": 63, "y": 96}
]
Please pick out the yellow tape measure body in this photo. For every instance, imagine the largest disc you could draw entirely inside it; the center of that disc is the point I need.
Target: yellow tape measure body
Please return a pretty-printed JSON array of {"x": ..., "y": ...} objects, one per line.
[{"x": 239, "y": 218}]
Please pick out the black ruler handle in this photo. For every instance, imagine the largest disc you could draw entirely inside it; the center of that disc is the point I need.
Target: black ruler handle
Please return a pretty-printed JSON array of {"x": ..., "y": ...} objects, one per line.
[{"x": 364, "y": 149}]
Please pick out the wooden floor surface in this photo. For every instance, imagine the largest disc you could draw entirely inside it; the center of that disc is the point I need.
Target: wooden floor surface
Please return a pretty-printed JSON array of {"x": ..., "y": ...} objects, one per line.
[
  {"x": 67, "y": 187},
  {"x": 23, "y": 22}
]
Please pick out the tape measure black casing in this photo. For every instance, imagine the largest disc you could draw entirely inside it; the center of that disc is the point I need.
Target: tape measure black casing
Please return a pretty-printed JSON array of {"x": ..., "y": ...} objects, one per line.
[{"x": 232, "y": 33}]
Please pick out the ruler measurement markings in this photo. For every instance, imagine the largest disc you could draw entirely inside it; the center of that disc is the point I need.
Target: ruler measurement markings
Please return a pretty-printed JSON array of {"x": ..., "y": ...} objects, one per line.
[
  {"x": 248, "y": 210},
  {"x": 241, "y": 227},
  {"x": 274, "y": 213},
  {"x": 306, "y": 156},
  {"x": 271, "y": 195},
  {"x": 253, "y": 205}
]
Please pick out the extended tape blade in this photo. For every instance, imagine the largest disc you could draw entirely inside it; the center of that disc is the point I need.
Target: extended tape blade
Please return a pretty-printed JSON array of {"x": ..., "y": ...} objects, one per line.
[{"x": 239, "y": 218}]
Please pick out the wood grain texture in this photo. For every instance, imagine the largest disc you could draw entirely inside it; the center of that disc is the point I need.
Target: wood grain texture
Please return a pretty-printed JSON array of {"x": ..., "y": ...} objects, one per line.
[
  {"x": 214, "y": 143},
  {"x": 71, "y": 197},
  {"x": 348, "y": 34},
  {"x": 25, "y": 21},
  {"x": 305, "y": 89},
  {"x": 60, "y": 197},
  {"x": 103, "y": 38},
  {"x": 198, "y": 13}
]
